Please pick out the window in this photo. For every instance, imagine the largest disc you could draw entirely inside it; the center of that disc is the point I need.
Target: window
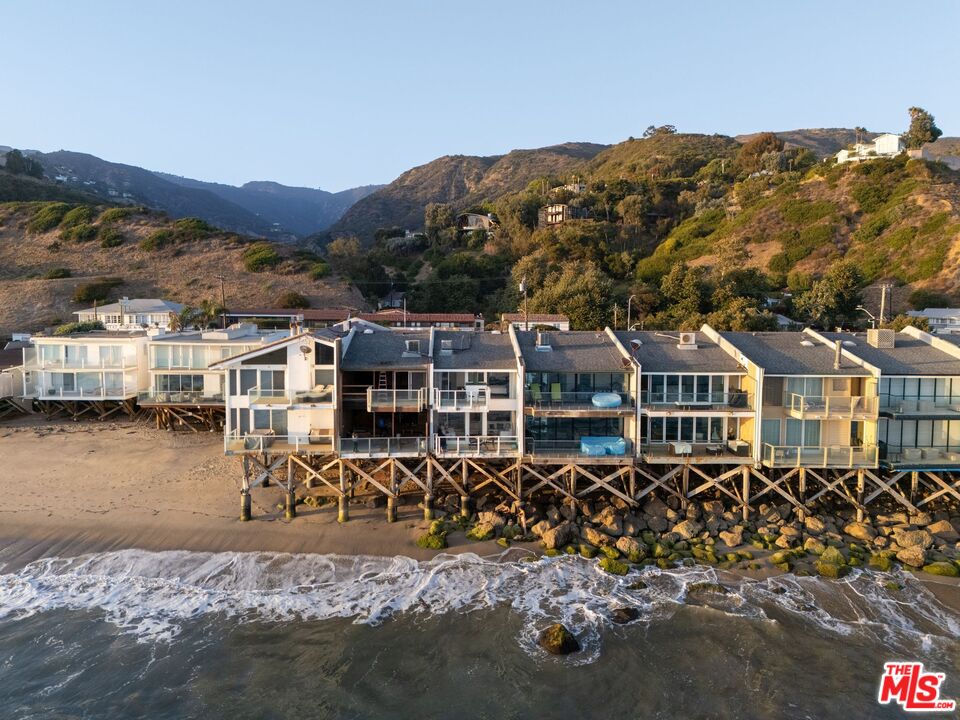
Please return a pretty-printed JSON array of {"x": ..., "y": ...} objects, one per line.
[
  {"x": 803, "y": 433},
  {"x": 248, "y": 380},
  {"x": 324, "y": 354},
  {"x": 770, "y": 432}
]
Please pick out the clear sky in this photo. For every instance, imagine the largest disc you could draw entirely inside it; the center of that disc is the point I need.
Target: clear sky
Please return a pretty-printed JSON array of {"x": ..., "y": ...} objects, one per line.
[{"x": 335, "y": 95}]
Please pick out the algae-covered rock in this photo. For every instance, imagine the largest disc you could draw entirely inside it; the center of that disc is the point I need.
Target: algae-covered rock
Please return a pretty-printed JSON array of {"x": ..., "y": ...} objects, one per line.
[
  {"x": 614, "y": 566},
  {"x": 557, "y": 640},
  {"x": 831, "y": 570},
  {"x": 832, "y": 556},
  {"x": 881, "y": 562},
  {"x": 481, "y": 531},
  {"x": 588, "y": 551},
  {"x": 432, "y": 542},
  {"x": 706, "y": 588},
  {"x": 610, "y": 551},
  {"x": 634, "y": 550},
  {"x": 438, "y": 527},
  {"x": 624, "y": 615},
  {"x": 946, "y": 569},
  {"x": 914, "y": 556},
  {"x": 503, "y": 542}
]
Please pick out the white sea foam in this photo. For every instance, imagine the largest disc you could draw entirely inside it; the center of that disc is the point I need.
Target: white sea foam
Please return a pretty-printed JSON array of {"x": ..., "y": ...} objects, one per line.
[{"x": 151, "y": 594}]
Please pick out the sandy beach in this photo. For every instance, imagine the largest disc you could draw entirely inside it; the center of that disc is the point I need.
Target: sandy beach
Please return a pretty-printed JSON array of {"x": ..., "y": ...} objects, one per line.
[{"x": 70, "y": 487}]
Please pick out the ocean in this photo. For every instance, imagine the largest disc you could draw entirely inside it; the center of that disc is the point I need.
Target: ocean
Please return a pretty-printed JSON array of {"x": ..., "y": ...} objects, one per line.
[{"x": 138, "y": 634}]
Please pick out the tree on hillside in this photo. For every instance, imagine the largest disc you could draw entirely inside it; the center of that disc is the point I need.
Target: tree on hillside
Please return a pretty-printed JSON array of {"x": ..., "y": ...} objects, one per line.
[
  {"x": 834, "y": 297},
  {"x": 437, "y": 217},
  {"x": 580, "y": 291},
  {"x": 654, "y": 130},
  {"x": 17, "y": 164},
  {"x": 901, "y": 321},
  {"x": 751, "y": 155},
  {"x": 732, "y": 255},
  {"x": 922, "y": 129}
]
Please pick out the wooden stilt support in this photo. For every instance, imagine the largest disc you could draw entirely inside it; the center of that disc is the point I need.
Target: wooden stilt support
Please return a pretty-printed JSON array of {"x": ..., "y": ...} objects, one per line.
[
  {"x": 745, "y": 470},
  {"x": 245, "y": 504},
  {"x": 685, "y": 487},
  {"x": 914, "y": 483},
  {"x": 290, "y": 506},
  {"x": 343, "y": 501},
  {"x": 861, "y": 482},
  {"x": 428, "y": 494},
  {"x": 392, "y": 497},
  {"x": 802, "y": 511}
]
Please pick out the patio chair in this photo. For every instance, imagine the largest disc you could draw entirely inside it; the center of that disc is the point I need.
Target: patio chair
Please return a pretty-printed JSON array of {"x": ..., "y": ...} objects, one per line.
[
  {"x": 555, "y": 394},
  {"x": 535, "y": 394}
]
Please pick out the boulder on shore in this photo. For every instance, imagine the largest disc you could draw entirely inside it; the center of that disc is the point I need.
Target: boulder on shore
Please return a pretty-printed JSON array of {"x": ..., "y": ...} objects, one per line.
[
  {"x": 688, "y": 529},
  {"x": 562, "y": 534},
  {"x": 594, "y": 536},
  {"x": 913, "y": 538},
  {"x": 915, "y": 556},
  {"x": 557, "y": 640},
  {"x": 733, "y": 537},
  {"x": 860, "y": 531}
]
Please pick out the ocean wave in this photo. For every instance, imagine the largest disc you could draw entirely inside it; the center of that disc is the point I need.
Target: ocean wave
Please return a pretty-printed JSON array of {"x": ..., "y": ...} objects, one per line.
[{"x": 152, "y": 594}]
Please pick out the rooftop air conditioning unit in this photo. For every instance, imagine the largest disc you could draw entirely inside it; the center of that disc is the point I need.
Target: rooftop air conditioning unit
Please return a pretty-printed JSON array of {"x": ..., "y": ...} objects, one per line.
[
  {"x": 412, "y": 347},
  {"x": 688, "y": 341},
  {"x": 543, "y": 342},
  {"x": 881, "y": 338},
  {"x": 446, "y": 347}
]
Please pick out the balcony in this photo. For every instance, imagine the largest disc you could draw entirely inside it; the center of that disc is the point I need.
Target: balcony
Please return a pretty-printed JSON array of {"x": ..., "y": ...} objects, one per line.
[
  {"x": 193, "y": 397},
  {"x": 938, "y": 456},
  {"x": 836, "y": 456},
  {"x": 109, "y": 392},
  {"x": 924, "y": 407},
  {"x": 476, "y": 446},
  {"x": 265, "y": 441},
  {"x": 732, "y": 452},
  {"x": 473, "y": 398},
  {"x": 831, "y": 407},
  {"x": 540, "y": 403},
  {"x": 121, "y": 363},
  {"x": 383, "y": 447},
  {"x": 394, "y": 400},
  {"x": 687, "y": 403},
  {"x": 319, "y": 395},
  {"x": 597, "y": 449}
]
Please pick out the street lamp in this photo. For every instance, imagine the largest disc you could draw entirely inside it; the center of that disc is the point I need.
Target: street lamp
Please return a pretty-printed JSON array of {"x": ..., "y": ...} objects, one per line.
[
  {"x": 873, "y": 320},
  {"x": 629, "y": 301}
]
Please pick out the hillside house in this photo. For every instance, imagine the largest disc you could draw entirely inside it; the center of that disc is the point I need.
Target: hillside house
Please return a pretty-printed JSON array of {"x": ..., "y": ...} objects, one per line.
[
  {"x": 559, "y": 213},
  {"x": 468, "y": 222},
  {"x": 534, "y": 320},
  {"x": 885, "y": 145},
  {"x": 136, "y": 314},
  {"x": 942, "y": 321}
]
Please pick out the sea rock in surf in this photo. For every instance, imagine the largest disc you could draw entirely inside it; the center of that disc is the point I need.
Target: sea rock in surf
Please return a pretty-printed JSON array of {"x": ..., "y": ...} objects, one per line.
[
  {"x": 814, "y": 525},
  {"x": 913, "y": 538},
  {"x": 594, "y": 536},
  {"x": 813, "y": 545},
  {"x": 944, "y": 531},
  {"x": 562, "y": 534},
  {"x": 831, "y": 570},
  {"x": 610, "y": 521},
  {"x": 540, "y": 528},
  {"x": 946, "y": 569},
  {"x": 915, "y": 556},
  {"x": 733, "y": 537},
  {"x": 860, "y": 531},
  {"x": 832, "y": 556},
  {"x": 624, "y": 615},
  {"x": 632, "y": 548},
  {"x": 614, "y": 566},
  {"x": 687, "y": 529},
  {"x": 481, "y": 531},
  {"x": 557, "y": 640}
]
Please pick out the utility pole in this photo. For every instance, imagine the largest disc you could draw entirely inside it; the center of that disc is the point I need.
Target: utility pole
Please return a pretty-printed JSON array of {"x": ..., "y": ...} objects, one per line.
[
  {"x": 223, "y": 301},
  {"x": 616, "y": 309},
  {"x": 883, "y": 300},
  {"x": 523, "y": 289}
]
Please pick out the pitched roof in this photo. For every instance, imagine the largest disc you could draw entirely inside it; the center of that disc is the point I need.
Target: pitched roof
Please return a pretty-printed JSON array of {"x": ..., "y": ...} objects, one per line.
[
  {"x": 908, "y": 356},
  {"x": 374, "y": 350},
  {"x": 935, "y": 313},
  {"x": 577, "y": 351},
  {"x": 11, "y": 357},
  {"x": 330, "y": 314},
  {"x": 473, "y": 351},
  {"x": 136, "y": 305},
  {"x": 322, "y": 335},
  {"x": 791, "y": 353},
  {"x": 397, "y": 315},
  {"x": 535, "y": 317},
  {"x": 658, "y": 352}
]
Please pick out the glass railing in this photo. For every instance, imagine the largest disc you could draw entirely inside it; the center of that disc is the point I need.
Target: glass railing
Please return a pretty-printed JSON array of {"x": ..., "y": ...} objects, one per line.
[
  {"x": 820, "y": 456},
  {"x": 88, "y": 364},
  {"x": 836, "y": 406},
  {"x": 585, "y": 399},
  {"x": 937, "y": 454},
  {"x": 731, "y": 448},
  {"x": 392, "y": 400},
  {"x": 319, "y": 394},
  {"x": 584, "y": 447},
  {"x": 476, "y": 445},
  {"x": 188, "y": 397},
  {"x": 674, "y": 399},
  {"x": 474, "y": 397},
  {"x": 920, "y": 405},
  {"x": 260, "y": 396},
  {"x": 383, "y": 446},
  {"x": 268, "y": 441},
  {"x": 100, "y": 392}
]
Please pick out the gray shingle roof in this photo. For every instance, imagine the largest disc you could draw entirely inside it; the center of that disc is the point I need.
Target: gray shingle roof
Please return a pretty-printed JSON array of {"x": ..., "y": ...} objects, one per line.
[
  {"x": 658, "y": 352},
  {"x": 574, "y": 351},
  {"x": 386, "y": 348},
  {"x": 909, "y": 356},
  {"x": 785, "y": 353},
  {"x": 474, "y": 351},
  {"x": 137, "y": 305}
]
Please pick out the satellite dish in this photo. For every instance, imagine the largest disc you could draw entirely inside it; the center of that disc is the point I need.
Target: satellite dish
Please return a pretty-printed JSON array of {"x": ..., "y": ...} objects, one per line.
[{"x": 305, "y": 349}]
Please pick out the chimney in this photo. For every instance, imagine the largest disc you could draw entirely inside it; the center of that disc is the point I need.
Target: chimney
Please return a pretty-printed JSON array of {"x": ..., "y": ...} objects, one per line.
[{"x": 836, "y": 355}]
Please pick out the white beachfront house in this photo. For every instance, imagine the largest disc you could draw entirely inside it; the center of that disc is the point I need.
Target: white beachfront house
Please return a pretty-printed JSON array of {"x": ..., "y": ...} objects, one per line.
[
  {"x": 283, "y": 396},
  {"x": 942, "y": 321},
  {"x": 136, "y": 314},
  {"x": 885, "y": 145},
  {"x": 82, "y": 367},
  {"x": 179, "y": 363}
]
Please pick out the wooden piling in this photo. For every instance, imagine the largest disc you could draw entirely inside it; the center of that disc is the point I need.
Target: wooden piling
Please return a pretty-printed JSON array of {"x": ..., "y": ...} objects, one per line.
[{"x": 343, "y": 500}]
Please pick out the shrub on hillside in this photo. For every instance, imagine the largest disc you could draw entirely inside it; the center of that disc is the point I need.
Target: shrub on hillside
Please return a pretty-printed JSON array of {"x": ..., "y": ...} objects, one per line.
[
  {"x": 191, "y": 228},
  {"x": 47, "y": 217},
  {"x": 922, "y": 299},
  {"x": 78, "y": 327},
  {"x": 79, "y": 233},
  {"x": 156, "y": 240},
  {"x": 109, "y": 236},
  {"x": 96, "y": 291},
  {"x": 293, "y": 299},
  {"x": 80, "y": 215},
  {"x": 260, "y": 256},
  {"x": 319, "y": 270},
  {"x": 57, "y": 274},
  {"x": 119, "y": 213}
]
